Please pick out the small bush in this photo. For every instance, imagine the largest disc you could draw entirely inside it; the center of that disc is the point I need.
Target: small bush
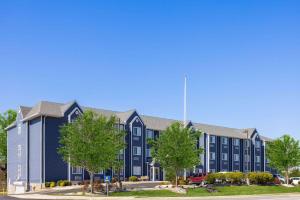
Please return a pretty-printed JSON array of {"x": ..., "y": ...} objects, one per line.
[
  {"x": 211, "y": 178},
  {"x": 170, "y": 176},
  {"x": 47, "y": 184},
  {"x": 133, "y": 178},
  {"x": 63, "y": 183},
  {"x": 260, "y": 178},
  {"x": 52, "y": 184}
]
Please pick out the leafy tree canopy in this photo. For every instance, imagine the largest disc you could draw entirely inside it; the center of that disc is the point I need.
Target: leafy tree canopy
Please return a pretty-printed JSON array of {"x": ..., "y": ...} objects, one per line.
[
  {"x": 92, "y": 142},
  {"x": 176, "y": 148},
  {"x": 6, "y": 119},
  {"x": 284, "y": 154}
]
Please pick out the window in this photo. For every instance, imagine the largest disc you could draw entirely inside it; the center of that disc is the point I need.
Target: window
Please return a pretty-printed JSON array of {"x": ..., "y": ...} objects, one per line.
[
  {"x": 137, "y": 151},
  {"x": 257, "y": 144},
  {"x": 224, "y": 156},
  {"x": 150, "y": 134},
  {"x": 19, "y": 171},
  {"x": 247, "y": 143},
  {"x": 19, "y": 150},
  {"x": 224, "y": 140},
  {"x": 212, "y": 139},
  {"x": 137, "y": 131},
  {"x": 212, "y": 170},
  {"x": 236, "y": 157},
  {"x": 257, "y": 158},
  {"x": 19, "y": 129},
  {"x": 137, "y": 170},
  {"x": 136, "y": 138},
  {"x": 148, "y": 152},
  {"x": 76, "y": 170},
  {"x": 236, "y": 142},
  {"x": 247, "y": 158},
  {"x": 212, "y": 155},
  {"x": 101, "y": 172}
]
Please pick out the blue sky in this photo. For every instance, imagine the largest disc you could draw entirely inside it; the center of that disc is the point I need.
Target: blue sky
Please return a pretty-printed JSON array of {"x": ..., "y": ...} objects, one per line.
[{"x": 242, "y": 58}]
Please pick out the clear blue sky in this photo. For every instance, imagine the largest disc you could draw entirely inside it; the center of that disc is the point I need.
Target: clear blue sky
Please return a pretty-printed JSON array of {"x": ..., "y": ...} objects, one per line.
[{"x": 242, "y": 58}]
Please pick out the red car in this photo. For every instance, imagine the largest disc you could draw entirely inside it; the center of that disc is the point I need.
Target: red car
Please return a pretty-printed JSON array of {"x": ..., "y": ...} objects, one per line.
[{"x": 197, "y": 179}]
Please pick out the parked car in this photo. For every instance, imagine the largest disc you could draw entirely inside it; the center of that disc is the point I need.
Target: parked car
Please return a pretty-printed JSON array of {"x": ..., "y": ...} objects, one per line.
[
  {"x": 197, "y": 179},
  {"x": 295, "y": 180},
  {"x": 279, "y": 177}
]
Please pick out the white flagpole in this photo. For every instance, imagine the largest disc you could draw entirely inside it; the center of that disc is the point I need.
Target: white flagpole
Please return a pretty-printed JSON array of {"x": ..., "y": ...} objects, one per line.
[{"x": 184, "y": 114}]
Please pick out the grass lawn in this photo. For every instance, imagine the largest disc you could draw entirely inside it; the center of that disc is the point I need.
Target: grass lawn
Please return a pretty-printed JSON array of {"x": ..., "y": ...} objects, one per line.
[{"x": 222, "y": 191}]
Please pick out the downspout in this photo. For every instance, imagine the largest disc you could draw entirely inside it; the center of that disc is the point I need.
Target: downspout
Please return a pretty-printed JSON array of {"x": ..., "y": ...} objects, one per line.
[
  {"x": 27, "y": 156},
  {"x": 208, "y": 153}
]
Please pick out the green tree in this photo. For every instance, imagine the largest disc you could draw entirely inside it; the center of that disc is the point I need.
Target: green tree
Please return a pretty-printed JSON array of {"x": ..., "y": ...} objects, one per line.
[
  {"x": 284, "y": 154},
  {"x": 6, "y": 119},
  {"x": 92, "y": 142},
  {"x": 176, "y": 149}
]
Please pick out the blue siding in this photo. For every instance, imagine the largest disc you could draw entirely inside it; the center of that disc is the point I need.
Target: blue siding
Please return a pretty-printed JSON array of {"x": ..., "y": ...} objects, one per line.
[{"x": 35, "y": 150}]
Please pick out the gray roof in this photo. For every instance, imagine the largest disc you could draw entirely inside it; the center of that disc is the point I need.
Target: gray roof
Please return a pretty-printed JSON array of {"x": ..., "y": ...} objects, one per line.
[{"x": 46, "y": 108}]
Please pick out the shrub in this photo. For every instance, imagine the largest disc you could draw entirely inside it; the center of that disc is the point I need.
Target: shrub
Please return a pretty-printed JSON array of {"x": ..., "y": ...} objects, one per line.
[
  {"x": 235, "y": 177},
  {"x": 211, "y": 178},
  {"x": 260, "y": 178},
  {"x": 133, "y": 178},
  {"x": 47, "y": 184},
  {"x": 63, "y": 183},
  {"x": 181, "y": 181},
  {"x": 52, "y": 184}
]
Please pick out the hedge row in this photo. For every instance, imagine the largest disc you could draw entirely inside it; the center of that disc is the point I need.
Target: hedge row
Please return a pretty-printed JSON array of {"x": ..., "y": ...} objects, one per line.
[
  {"x": 240, "y": 178},
  {"x": 59, "y": 183}
]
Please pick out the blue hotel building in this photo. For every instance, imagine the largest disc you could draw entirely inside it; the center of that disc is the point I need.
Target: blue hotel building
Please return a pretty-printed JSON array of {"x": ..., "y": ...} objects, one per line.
[{"x": 33, "y": 141}]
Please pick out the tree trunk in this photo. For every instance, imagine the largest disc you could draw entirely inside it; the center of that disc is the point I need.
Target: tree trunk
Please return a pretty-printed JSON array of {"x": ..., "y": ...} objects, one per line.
[
  {"x": 119, "y": 179},
  {"x": 287, "y": 176},
  {"x": 176, "y": 179},
  {"x": 92, "y": 182}
]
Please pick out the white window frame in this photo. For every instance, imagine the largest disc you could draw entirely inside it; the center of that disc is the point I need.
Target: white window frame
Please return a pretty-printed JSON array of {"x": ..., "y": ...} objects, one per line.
[
  {"x": 151, "y": 133},
  {"x": 136, "y": 150},
  {"x": 137, "y": 131},
  {"x": 212, "y": 139},
  {"x": 225, "y": 156},
  {"x": 76, "y": 170},
  {"x": 225, "y": 139},
  {"x": 236, "y": 157},
  {"x": 19, "y": 129},
  {"x": 137, "y": 170},
  {"x": 236, "y": 142},
  {"x": 19, "y": 150},
  {"x": 257, "y": 159},
  {"x": 257, "y": 144},
  {"x": 212, "y": 156},
  {"x": 19, "y": 171},
  {"x": 148, "y": 153}
]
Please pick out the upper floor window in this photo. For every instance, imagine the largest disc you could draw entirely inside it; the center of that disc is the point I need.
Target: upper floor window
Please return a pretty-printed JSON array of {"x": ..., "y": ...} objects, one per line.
[
  {"x": 247, "y": 158},
  {"x": 19, "y": 171},
  {"x": 257, "y": 158},
  {"x": 19, "y": 129},
  {"x": 247, "y": 143},
  {"x": 137, "y": 151},
  {"x": 212, "y": 155},
  {"x": 236, "y": 142},
  {"x": 76, "y": 170},
  {"x": 212, "y": 139},
  {"x": 150, "y": 134},
  {"x": 148, "y": 152},
  {"x": 224, "y": 156},
  {"x": 257, "y": 144},
  {"x": 236, "y": 157},
  {"x": 137, "y": 131},
  {"x": 19, "y": 150},
  {"x": 224, "y": 140}
]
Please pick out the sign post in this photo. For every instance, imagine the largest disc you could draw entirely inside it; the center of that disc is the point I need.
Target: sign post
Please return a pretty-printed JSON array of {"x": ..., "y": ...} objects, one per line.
[{"x": 107, "y": 180}]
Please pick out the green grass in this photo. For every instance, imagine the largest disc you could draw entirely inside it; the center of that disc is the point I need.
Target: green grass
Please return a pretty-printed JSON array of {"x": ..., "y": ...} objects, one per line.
[
  {"x": 243, "y": 190},
  {"x": 222, "y": 191},
  {"x": 147, "y": 193}
]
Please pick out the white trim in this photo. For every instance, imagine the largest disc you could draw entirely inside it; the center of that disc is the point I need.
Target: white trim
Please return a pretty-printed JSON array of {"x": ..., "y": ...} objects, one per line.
[
  {"x": 208, "y": 157},
  {"x": 264, "y": 144},
  {"x": 41, "y": 152}
]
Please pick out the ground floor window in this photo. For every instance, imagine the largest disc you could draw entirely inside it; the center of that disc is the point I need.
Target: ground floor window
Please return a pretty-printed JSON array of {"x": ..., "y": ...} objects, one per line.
[
  {"x": 76, "y": 170},
  {"x": 137, "y": 170}
]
